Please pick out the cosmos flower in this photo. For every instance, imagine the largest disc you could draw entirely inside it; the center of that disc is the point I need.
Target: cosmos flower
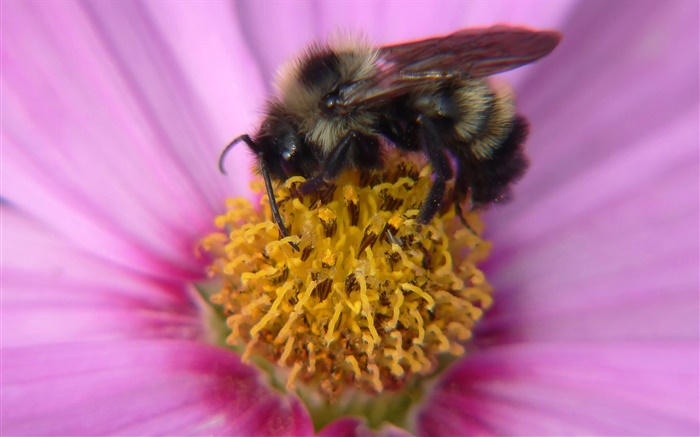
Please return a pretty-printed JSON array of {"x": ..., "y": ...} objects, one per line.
[{"x": 113, "y": 115}]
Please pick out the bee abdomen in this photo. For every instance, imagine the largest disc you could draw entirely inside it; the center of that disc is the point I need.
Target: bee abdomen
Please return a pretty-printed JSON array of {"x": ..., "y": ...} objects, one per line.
[{"x": 489, "y": 179}]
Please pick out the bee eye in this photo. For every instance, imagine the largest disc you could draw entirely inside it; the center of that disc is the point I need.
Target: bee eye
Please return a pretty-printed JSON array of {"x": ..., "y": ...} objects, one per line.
[
  {"x": 333, "y": 103},
  {"x": 329, "y": 101},
  {"x": 289, "y": 165},
  {"x": 292, "y": 151},
  {"x": 287, "y": 146}
]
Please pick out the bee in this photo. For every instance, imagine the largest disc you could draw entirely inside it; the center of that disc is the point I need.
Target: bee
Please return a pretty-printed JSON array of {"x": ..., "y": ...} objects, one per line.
[{"x": 341, "y": 104}]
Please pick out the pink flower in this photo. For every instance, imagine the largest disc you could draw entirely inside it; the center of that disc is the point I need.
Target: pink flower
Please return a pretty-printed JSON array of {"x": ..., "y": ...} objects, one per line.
[{"x": 113, "y": 115}]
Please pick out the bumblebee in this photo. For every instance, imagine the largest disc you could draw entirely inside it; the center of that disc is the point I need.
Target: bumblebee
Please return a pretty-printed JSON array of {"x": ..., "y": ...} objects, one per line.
[{"x": 341, "y": 104}]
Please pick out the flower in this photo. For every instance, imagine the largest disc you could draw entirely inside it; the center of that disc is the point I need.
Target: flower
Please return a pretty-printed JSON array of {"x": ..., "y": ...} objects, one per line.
[{"x": 113, "y": 115}]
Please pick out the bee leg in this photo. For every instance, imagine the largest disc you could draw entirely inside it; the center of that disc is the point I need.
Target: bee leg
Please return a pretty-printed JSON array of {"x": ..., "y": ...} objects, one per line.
[
  {"x": 460, "y": 191},
  {"x": 310, "y": 186},
  {"x": 462, "y": 219},
  {"x": 334, "y": 163},
  {"x": 435, "y": 151}
]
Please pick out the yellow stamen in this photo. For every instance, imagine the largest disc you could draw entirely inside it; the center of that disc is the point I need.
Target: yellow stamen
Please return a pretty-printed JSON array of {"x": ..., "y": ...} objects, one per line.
[{"x": 370, "y": 298}]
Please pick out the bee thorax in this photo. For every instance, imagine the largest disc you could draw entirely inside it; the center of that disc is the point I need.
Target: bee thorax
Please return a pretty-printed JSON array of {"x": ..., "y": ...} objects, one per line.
[
  {"x": 437, "y": 106},
  {"x": 328, "y": 131}
]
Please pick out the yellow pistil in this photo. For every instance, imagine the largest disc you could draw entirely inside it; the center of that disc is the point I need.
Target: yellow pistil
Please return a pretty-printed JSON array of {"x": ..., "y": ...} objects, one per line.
[{"x": 369, "y": 299}]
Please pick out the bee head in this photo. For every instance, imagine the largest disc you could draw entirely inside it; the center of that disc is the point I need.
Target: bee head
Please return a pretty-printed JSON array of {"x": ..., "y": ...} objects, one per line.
[{"x": 283, "y": 149}]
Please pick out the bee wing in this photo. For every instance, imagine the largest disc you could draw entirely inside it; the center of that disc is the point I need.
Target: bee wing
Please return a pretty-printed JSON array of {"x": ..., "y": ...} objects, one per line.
[{"x": 470, "y": 53}]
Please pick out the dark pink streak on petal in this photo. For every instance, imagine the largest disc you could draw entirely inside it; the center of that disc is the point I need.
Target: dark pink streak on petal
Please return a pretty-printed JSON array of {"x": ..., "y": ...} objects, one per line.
[
  {"x": 141, "y": 388},
  {"x": 569, "y": 389},
  {"x": 42, "y": 316},
  {"x": 56, "y": 292},
  {"x": 355, "y": 427}
]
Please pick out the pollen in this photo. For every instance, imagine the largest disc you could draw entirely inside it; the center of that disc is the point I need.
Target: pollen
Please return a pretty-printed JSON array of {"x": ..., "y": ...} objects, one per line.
[{"x": 368, "y": 298}]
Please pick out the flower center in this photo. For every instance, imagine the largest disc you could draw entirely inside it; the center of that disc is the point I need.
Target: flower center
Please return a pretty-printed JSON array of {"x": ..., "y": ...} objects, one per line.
[{"x": 369, "y": 299}]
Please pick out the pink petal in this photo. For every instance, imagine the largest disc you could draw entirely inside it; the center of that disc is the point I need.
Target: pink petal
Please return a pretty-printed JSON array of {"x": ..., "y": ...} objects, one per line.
[
  {"x": 569, "y": 389},
  {"x": 107, "y": 141},
  {"x": 54, "y": 292},
  {"x": 606, "y": 247},
  {"x": 595, "y": 263},
  {"x": 596, "y": 99},
  {"x": 627, "y": 271},
  {"x": 141, "y": 388}
]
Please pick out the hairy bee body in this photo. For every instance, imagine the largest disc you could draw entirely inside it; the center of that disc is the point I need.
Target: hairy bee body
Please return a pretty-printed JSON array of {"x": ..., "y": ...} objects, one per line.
[{"x": 342, "y": 104}]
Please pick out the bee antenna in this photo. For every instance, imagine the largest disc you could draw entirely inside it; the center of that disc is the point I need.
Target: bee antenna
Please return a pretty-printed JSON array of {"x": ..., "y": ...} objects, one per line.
[
  {"x": 273, "y": 201},
  {"x": 245, "y": 138}
]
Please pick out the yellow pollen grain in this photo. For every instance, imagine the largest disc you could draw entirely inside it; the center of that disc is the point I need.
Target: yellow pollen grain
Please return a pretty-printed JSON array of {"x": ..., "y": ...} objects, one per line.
[
  {"x": 349, "y": 194},
  {"x": 326, "y": 215},
  {"x": 395, "y": 221},
  {"x": 369, "y": 299},
  {"x": 329, "y": 258}
]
